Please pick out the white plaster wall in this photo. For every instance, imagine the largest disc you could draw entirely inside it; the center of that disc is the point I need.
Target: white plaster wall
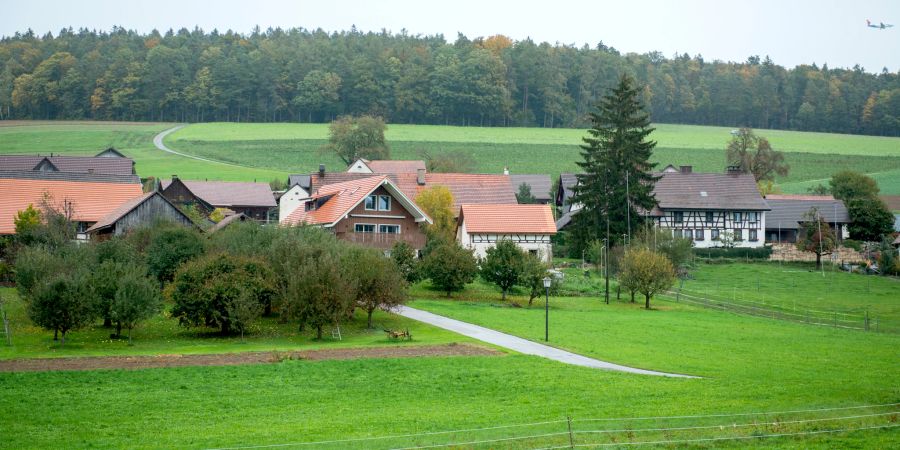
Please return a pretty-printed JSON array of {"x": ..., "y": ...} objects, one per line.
[{"x": 290, "y": 201}]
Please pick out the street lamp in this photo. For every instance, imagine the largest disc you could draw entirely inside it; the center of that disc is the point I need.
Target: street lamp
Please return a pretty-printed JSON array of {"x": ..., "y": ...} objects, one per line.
[
  {"x": 606, "y": 269},
  {"x": 547, "y": 282}
]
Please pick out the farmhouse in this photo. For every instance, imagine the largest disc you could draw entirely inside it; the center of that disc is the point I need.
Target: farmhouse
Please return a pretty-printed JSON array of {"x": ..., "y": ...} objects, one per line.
[
  {"x": 784, "y": 220},
  {"x": 465, "y": 188},
  {"x": 710, "y": 208},
  {"x": 529, "y": 226},
  {"x": 255, "y": 200},
  {"x": 371, "y": 211},
  {"x": 86, "y": 198},
  {"x": 139, "y": 211}
]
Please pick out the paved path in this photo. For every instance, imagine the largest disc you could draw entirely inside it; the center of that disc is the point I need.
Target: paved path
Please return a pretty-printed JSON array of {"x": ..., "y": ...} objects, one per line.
[
  {"x": 158, "y": 142},
  {"x": 521, "y": 345}
]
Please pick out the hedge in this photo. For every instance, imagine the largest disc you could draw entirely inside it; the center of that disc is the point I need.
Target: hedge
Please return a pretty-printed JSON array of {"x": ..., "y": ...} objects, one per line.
[{"x": 761, "y": 253}]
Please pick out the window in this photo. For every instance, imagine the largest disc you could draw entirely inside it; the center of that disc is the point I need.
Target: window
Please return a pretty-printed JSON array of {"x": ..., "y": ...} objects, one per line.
[
  {"x": 364, "y": 228},
  {"x": 736, "y": 217},
  {"x": 751, "y": 217},
  {"x": 714, "y": 234},
  {"x": 679, "y": 216},
  {"x": 677, "y": 233},
  {"x": 384, "y": 202},
  {"x": 389, "y": 229},
  {"x": 753, "y": 235},
  {"x": 370, "y": 202},
  {"x": 688, "y": 234},
  {"x": 532, "y": 252},
  {"x": 709, "y": 217},
  {"x": 738, "y": 236},
  {"x": 698, "y": 235}
]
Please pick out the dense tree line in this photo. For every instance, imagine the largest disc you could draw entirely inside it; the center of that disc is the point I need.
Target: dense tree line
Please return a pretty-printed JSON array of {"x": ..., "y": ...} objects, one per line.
[{"x": 304, "y": 75}]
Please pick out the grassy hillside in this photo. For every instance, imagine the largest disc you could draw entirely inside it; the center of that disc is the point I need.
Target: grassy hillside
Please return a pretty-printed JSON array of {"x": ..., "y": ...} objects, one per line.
[
  {"x": 295, "y": 147},
  {"x": 133, "y": 139}
]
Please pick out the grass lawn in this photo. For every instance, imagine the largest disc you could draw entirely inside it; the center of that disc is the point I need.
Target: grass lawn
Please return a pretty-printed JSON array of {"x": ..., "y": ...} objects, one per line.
[
  {"x": 163, "y": 335},
  {"x": 133, "y": 139}
]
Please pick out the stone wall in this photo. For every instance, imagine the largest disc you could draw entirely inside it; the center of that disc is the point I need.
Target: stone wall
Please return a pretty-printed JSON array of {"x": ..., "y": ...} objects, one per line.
[{"x": 789, "y": 252}]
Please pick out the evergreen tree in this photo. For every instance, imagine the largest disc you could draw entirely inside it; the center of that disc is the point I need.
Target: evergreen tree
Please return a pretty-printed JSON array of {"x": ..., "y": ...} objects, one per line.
[{"x": 617, "y": 183}]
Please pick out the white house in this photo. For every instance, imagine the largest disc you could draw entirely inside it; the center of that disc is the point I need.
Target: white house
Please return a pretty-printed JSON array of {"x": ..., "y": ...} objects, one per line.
[
  {"x": 529, "y": 226},
  {"x": 299, "y": 187},
  {"x": 386, "y": 166}
]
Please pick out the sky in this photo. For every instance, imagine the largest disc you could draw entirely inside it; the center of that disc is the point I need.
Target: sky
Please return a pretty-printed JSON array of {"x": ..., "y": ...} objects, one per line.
[{"x": 791, "y": 32}]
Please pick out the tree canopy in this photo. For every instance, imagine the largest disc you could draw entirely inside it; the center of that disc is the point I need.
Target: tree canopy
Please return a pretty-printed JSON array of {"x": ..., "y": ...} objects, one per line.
[
  {"x": 313, "y": 75},
  {"x": 753, "y": 154}
]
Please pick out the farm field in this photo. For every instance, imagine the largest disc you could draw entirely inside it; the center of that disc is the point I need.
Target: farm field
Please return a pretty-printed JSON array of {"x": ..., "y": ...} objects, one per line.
[
  {"x": 134, "y": 139},
  {"x": 295, "y": 147},
  {"x": 750, "y": 365}
]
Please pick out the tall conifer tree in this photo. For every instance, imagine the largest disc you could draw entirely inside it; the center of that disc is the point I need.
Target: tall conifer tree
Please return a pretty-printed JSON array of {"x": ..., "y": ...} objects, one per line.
[{"x": 617, "y": 183}]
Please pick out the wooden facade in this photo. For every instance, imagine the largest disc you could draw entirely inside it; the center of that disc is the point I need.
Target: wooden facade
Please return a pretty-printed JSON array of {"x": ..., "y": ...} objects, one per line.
[
  {"x": 179, "y": 194},
  {"x": 152, "y": 208},
  {"x": 381, "y": 222}
]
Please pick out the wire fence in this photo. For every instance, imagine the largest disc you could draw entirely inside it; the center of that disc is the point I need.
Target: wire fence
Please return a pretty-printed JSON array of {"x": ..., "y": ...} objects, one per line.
[
  {"x": 739, "y": 304},
  {"x": 572, "y": 432}
]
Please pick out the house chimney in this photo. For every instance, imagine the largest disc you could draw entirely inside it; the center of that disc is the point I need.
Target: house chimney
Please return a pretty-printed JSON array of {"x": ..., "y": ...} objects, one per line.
[
  {"x": 687, "y": 169},
  {"x": 506, "y": 171},
  {"x": 321, "y": 170},
  {"x": 420, "y": 177}
]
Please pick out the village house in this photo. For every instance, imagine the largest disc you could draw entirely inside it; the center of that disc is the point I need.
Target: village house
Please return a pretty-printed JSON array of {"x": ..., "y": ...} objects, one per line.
[
  {"x": 711, "y": 209},
  {"x": 255, "y": 200},
  {"x": 85, "y": 198},
  {"x": 783, "y": 222},
  {"x": 529, "y": 226},
  {"x": 137, "y": 212},
  {"x": 107, "y": 162},
  {"x": 371, "y": 211}
]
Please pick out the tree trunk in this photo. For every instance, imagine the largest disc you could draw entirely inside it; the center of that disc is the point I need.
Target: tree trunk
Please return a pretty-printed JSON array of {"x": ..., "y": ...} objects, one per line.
[
  {"x": 62, "y": 340},
  {"x": 107, "y": 322},
  {"x": 119, "y": 329},
  {"x": 818, "y": 261},
  {"x": 632, "y": 296},
  {"x": 319, "y": 332},
  {"x": 56, "y": 334},
  {"x": 503, "y": 294},
  {"x": 647, "y": 304},
  {"x": 618, "y": 292},
  {"x": 370, "y": 318},
  {"x": 129, "y": 336}
]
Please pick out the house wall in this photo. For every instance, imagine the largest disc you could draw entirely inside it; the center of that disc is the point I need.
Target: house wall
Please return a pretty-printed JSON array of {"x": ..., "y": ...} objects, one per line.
[
  {"x": 260, "y": 213},
  {"x": 481, "y": 242},
  {"x": 722, "y": 221},
  {"x": 359, "y": 167},
  {"x": 179, "y": 194},
  {"x": 790, "y": 235},
  {"x": 410, "y": 230},
  {"x": 290, "y": 200}
]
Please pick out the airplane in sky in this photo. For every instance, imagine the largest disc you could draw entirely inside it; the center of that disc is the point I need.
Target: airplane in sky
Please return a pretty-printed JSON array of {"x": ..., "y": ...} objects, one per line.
[{"x": 880, "y": 25}]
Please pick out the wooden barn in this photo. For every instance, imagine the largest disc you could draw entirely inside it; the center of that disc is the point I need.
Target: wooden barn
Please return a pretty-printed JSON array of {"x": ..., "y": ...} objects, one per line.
[{"x": 140, "y": 211}]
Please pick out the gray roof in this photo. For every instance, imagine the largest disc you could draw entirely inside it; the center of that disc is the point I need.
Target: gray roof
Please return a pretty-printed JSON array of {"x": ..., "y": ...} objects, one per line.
[
  {"x": 120, "y": 212},
  {"x": 75, "y": 164},
  {"x": 788, "y": 210},
  {"x": 716, "y": 191},
  {"x": 301, "y": 179},
  {"x": 567, "y": 182},
  {"x": 540, "y": 185},
  {"x": 68, "y": 176},
  {"x": 230, "y": 193}
]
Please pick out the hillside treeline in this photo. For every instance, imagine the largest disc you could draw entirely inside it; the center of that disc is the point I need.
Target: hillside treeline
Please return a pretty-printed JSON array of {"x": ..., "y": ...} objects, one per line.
[{"x": 302, "y": 75}]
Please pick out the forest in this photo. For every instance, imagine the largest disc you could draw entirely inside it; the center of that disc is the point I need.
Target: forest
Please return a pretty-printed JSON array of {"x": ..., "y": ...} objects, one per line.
[{"x": 296, "y": 74}]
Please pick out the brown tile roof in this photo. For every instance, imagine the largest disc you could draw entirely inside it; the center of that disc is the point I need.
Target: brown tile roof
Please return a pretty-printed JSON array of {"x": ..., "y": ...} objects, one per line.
[
  {"x": 467, "y": 188},
  {"x": 507, "y": 219},
  {"x": 540, "y": 185},
  {"x": 339, "y": 198},
  {"x": 230, "y": 193},
  {"x": 91, "y": 200},
  {"x": 694, "y": 190},
  {"x": 787, "y": 210},
  {"x": 395, "y": 166},
  {"x": 77, "y": 164}
]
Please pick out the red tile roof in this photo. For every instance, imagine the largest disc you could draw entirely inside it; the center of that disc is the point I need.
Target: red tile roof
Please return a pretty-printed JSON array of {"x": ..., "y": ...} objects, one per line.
[
  {"x": 395, "y": 166},
  {"x": 508, "y": 219},
  {"x": 92, "y": 201},
  {"x": 338, "y": 199},
  {"x": 230, "y": 193}
]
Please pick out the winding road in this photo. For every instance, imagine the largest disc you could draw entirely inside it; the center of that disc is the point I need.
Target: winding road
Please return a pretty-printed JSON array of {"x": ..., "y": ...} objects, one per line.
[
  {"x": 158, "y": 142},
  {"x": 522, "y": 345}
]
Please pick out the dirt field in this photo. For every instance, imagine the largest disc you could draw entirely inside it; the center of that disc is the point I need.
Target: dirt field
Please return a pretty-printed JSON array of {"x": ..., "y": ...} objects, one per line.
[{"x": 231, "y": 359}]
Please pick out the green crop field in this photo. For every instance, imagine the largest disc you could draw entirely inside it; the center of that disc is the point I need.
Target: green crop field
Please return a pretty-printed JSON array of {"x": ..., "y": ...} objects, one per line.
[
  {"x": 749, "y": 366},
  {"x": 133, "y": 139}
]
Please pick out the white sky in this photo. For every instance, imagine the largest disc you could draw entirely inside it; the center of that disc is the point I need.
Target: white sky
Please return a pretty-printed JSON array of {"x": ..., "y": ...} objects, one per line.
[{"x": 791, "y": 32}]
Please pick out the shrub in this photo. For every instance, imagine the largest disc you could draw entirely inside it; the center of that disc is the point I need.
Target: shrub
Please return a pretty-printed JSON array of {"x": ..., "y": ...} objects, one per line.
[
  {"x": 137, "y": 298},
  {"x": 450, "y": 267},
  {"x": 171, "y": 247},
  {"x": 854, "y": 244},
  {"x": 404, "y": 257},
  {"x": 503, "y": 265},
  {"x": 61, "y": 304}
]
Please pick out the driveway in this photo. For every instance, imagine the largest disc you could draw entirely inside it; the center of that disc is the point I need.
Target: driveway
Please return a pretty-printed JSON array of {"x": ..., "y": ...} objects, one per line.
[
  {"x": 521, "y": 345},
  {"x": 158, "y": 142}
]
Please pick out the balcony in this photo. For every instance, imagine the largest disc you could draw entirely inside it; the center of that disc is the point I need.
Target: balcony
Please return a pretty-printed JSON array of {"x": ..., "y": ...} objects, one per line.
[{"x": 384, "y": 240}]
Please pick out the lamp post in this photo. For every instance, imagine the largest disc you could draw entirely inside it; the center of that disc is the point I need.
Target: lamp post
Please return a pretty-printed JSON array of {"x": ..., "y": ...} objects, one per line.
[
  {"x": 547, "y": 282},
  {"x": 606, "y": 269}
]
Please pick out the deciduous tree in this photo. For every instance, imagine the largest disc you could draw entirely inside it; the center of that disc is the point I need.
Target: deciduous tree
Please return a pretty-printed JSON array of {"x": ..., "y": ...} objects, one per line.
[
  {"x": 503, "y": 265},
  {"x": 647, "y": 272},
  {"x": 753, "y": 154},
  {"x": 815, "y": 236},
  {"x": 379, "y": 282},
  {"x": 450, "y": 267},
  {"x": 437, "y": 202},
  {"x": 352, "y": 138}
]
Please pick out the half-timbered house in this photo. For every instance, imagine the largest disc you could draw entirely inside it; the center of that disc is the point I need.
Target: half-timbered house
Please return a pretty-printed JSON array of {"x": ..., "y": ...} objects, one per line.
[{"x": 530, "y": 227}]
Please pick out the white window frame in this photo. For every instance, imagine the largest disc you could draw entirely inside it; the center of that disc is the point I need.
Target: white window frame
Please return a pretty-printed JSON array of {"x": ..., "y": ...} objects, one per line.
[
  {"x": 714, "y": 234},
  {"x": 382, "y": 197},
  {"x": 399, "y": 230},
  {"x": 374, "y": 228},
  {"x": 737, "y": 217},
  {"x": 374, "y": 203},
  {"x": 753, "y": 235}
]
